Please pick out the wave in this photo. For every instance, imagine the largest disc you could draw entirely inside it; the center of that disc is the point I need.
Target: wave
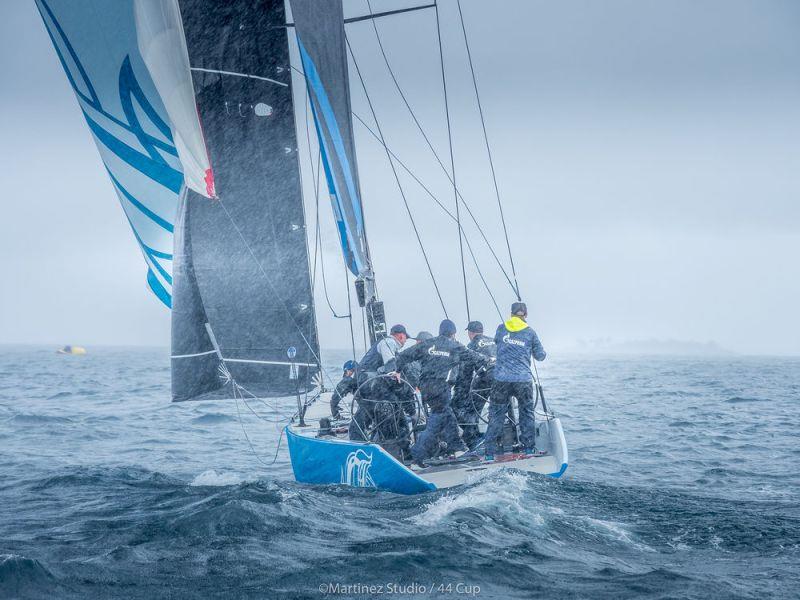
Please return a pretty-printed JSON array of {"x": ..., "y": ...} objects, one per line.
[
  {"x": 212, "y": 478},
  {"x": 742, "y": 400},
  {"x": 213, "y": 419},
  {"x": 23, "y": 577},
  {"x": 36, "y": 419},
  {"x": 111, "y": 477}
]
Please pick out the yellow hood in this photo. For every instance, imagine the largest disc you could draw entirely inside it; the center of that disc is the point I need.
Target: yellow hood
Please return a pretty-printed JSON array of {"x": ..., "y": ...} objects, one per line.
[{"x": 515, "y": 324}]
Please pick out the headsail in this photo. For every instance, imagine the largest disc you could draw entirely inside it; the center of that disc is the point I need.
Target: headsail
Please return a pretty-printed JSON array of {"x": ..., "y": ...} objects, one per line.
[
  {"x": 162, "y": 45},
  {"x": 242, "y": 273},
  {"x": 323, "y": 52},
  {"x": 127, "y": 119}
]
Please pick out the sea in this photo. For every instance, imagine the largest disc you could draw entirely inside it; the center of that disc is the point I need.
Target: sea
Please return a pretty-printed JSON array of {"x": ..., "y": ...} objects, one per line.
[{"x": 683, "y": 482}]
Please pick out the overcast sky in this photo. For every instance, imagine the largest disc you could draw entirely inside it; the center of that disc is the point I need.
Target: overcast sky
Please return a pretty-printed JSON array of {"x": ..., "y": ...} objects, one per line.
[{"x": 648, "y": 156}]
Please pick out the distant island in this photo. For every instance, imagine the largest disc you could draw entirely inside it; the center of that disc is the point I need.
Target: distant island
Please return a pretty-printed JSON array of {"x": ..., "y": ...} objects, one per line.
[{"x": 651, "y": 346}]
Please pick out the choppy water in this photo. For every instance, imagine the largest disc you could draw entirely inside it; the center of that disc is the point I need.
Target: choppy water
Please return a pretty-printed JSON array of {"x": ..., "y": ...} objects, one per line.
[{"x": 683, "y": 483}]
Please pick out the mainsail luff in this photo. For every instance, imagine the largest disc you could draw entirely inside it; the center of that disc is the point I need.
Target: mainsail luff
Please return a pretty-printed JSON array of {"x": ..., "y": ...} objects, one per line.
[{"x": 248, "y": 251}]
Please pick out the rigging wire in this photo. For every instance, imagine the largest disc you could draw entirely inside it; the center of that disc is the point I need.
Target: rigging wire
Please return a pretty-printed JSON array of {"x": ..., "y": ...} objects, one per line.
[
  {"x": 318, "y": 235},
  {"x": 322, "y": 271},
  {"x": 441, "y": 206},
  {"x": 269, "y": 281},
  {"x": 397, "y": 179},
  {"x": 425, "y": 188},
  {"x": 488, "y": 148},
  {"x": 318, "y": 252},
  {"x": 433, "y": 151},
  {"x": 452, "y": 159},
  {"x": 349, "y": 310}
]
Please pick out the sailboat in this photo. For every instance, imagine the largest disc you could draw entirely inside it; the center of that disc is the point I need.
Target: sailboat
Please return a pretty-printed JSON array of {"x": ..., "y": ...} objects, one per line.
[{"x": 193, "y": 109}]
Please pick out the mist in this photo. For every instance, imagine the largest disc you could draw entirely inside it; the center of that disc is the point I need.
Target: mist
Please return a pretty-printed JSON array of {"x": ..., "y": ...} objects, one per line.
[{"x": 648, "y": 161}]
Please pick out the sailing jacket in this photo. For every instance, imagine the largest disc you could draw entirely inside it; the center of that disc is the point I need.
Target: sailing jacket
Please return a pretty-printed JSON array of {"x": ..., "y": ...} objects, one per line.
[
  {"x": 438, "y": 357},
  {"x": 486, "y": 346},
  {"x": 347, "y": 385},
  {"x": 516, "y": 342},
  {"x": 379, "y": 356}
]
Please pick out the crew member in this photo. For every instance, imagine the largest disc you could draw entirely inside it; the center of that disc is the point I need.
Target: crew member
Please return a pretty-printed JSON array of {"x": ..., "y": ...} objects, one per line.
[
  {"x": 516, "y": 343},
  {"x": 438, "y": 357},
  {"x": 474, "y": 384},
  {"x": 347, "y": 385},
  {"x": 397, "y": 413},
  {"x": 379, "y": 359}
]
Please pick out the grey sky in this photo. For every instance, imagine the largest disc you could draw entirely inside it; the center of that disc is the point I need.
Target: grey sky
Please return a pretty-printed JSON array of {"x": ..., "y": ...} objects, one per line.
[{"x": 648, "y": 155}]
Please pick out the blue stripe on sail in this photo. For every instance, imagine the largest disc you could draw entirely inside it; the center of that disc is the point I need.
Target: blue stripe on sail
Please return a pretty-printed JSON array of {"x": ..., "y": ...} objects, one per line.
[
  {"x": 312, "y": 76},
  {"x": 161, "y": 222},
  {"x": 341, "y": 226},
  {"x": 151, "y": 254},
  {"x": 94, "y": 100},
  {"x": 128, "y": 89},
  {"x": 140, "y": 108},
  {"x": 157, "y": 170},
  {"x": 158, "y": 289}
]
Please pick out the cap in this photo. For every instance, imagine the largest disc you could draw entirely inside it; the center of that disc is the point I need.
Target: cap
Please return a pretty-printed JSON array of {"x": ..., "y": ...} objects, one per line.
[
  {"x": 424, "y": 335},
  {"x": 398, "y": 329},
  {"x": 519, "y": 308},
  {"x": 447, "y": 327},
  {"x": 475, "y": 327},
  {"x": 350, "y": 365}
]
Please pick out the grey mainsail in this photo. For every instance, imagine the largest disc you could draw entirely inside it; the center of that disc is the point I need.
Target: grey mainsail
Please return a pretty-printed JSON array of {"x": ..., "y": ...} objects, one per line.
[{"x": 242, "y": 284}]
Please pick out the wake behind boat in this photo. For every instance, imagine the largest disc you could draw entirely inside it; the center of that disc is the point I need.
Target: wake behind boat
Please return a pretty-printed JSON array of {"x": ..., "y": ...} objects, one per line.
[{"x": 194, "y": 109}]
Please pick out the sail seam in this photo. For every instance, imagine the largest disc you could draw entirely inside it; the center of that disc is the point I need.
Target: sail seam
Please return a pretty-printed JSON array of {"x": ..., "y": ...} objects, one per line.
[
  {"x": 268, "y": 362},
  {"x": 193, "y": 355},
  {"x": 247, "y": 75}
]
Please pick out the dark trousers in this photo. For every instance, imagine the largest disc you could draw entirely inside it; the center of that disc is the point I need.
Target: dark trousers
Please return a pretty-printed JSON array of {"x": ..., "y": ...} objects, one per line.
[
  {"x": 468, "y": 405},
  {"x": 502, "y": 392},
  {"x": 362, "y": 421},
  {"x": 380, "y": 416},
  {"x": 441, "y": 426},
  {"x": 336, "y": 399}
]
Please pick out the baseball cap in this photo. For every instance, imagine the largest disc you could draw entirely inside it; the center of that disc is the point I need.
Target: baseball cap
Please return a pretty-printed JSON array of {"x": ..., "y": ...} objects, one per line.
[
  {"x": 350, "y": 365},
  {"x": 519, "y": 307},
  {"x": 447, "y": 327},
  {"x": 398, "y": 329},
  {"x": 424, "y": 335},
  {"x": 475, "y": 327}
]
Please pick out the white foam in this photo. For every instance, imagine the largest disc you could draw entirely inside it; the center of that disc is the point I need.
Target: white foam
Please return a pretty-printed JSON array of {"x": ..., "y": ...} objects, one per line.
[
  {"x": 502, "y": 492},
  {"x": 617, "y": 531},
  {"x": 213, "y": 478}
]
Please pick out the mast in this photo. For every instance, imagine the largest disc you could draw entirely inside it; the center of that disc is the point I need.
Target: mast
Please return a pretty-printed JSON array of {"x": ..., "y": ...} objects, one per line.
[{"x": 319, "y": 27}]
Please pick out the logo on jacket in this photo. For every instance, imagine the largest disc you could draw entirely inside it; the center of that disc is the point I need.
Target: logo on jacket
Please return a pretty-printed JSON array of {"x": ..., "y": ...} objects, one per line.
[
  {"x": 484, "y": 343},
  {"x": 507, "y": 339},
  {"x": 355, "y": 471},
  {"x": 434, "y": 352}
]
